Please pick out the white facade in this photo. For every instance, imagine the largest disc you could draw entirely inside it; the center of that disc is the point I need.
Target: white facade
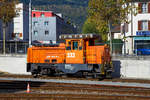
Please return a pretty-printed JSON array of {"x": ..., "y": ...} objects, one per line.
[
  {"x": 133, "y": 26},
  {"x": 117, "y": 36},
  {"x": 18, "y": 23},
  {"x": 134, "y": 20}
]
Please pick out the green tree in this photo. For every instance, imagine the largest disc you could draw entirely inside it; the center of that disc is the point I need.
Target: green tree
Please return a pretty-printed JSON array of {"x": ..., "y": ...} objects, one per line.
[
  {"x": 7, "y": 12},
  {"x": 106, "y": 12},
  {"x": 89, "y": 27}
]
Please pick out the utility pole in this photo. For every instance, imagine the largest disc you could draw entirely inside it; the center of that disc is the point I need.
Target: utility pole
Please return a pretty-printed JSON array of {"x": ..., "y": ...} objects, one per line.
[
  {"x": 4, "y": 38},
  {"x": 110, "y": 38},
  {"x": 124, "y": 33},
  {"x": 132, "y": 29},
  {"x": 30, "y": 23}
]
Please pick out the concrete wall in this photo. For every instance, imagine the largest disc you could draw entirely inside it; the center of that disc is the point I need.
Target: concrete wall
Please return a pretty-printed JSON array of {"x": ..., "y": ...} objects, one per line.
[
  {"x": 13, "y": 64},
  {"x": 135, "y": 68},
  {"x": 132, "y": 67}
]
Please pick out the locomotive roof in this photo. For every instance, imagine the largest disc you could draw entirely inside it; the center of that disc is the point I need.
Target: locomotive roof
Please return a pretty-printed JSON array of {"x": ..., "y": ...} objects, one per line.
[{"x": 79, "y": 36}]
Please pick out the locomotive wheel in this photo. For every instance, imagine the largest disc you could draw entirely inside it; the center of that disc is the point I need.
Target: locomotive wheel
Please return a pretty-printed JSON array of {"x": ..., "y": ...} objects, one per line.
[
  {"x": 79, "y": 74},
  {"x": 95, "y": 75},
  {"x": 101, "y": 77},
  {"x": 64, "y": 76},
  {"x": 109, "y": 75},
  {"x": 35, "y": 75}
]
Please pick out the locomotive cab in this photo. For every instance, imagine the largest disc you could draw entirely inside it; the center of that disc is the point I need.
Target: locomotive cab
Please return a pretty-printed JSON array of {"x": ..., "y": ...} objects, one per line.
[
  {"x": 74, "y": 51},
  {"x": 76, "y": 47},
  {"x": 81, "y": 51}
]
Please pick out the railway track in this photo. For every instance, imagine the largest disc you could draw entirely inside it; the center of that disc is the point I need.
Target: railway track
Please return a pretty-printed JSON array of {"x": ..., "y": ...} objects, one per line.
[
  {"x": 70, "y": 97},
  {"x": 74, "y": 78},
  {"x": 16, "y": 90}
]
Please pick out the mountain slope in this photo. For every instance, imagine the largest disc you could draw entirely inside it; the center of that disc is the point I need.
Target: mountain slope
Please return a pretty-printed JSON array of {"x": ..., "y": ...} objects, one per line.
[
  {"x": 58, "y": 2},
  {"x": 72, "y": 10}
]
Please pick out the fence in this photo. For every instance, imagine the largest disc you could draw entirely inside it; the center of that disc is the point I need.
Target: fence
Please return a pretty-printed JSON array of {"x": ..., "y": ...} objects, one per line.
[
  {"x": 117, "y": 48},
  {"x": 121, "y": 49},
  {"x": 14, "y": 48}
]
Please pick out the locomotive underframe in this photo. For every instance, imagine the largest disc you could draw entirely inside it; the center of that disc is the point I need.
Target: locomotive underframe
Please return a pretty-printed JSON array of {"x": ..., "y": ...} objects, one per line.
[{"x": 72, "y": 69}]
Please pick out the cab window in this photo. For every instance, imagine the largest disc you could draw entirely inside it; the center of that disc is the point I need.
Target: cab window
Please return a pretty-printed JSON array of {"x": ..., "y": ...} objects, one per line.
[
  {"x": 69, "y": 46},
  {"x": 91, "y": 43},
  {"x": 75, "y": 45}
]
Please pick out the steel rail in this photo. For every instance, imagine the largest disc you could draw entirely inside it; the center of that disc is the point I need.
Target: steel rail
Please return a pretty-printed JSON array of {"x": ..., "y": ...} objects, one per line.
[{"x": 114, "y": 84}]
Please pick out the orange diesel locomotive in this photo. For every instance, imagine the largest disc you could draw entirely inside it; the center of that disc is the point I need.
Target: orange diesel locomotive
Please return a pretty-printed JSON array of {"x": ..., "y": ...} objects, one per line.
[{"x": 77, "y": 56}]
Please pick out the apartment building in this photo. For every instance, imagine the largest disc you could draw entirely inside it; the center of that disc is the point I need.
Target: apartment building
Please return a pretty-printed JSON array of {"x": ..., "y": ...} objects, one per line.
[
  {"x": 137, "y": 32},
  {"x": 18, "y": 28},
  {"x": 47, "y": 26}
]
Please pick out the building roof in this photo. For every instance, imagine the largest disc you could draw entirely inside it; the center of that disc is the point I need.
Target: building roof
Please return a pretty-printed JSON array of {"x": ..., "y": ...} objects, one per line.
[
  {"x": 38, "y": 13},
  {"x": 79, "y": 36},
  {"x": 42, "y": 11},
  {"x": 116, "y": 29}
]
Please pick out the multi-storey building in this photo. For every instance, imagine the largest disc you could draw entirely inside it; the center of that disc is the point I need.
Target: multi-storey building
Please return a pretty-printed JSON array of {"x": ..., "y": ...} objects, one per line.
[
  {"x": 137, "y": 32},
  {"x": 47, "y": 26},
  {"x": 1, "y": 30},
  {"x": 18, "y": 29}
]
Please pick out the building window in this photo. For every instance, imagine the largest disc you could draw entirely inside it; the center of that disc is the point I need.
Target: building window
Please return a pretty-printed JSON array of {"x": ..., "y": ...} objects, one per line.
[
  {"x": 35, "y": 23},
  {"x": 35, "y": 33},
  {"x": 143, "y": 25},
  {"x": 33, "y": 15},
  {"x": 46, "y": 23},
  {"x": 20, "y": 35},
  {"x": 42, "y": 15},
  {"x": 46, "y": 33},
  {"x": 144, "y": 8}
]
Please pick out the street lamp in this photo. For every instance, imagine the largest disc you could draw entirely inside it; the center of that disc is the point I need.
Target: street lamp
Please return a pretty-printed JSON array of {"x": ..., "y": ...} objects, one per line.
[{"x": 30, "y": 23}]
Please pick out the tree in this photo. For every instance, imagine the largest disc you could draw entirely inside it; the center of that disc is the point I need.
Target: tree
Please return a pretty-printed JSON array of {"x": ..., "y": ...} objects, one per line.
[
  {"x": 107, "y": 12},
  {"x": 89, "y": 27},
  {"x": 7, "y": 12}
]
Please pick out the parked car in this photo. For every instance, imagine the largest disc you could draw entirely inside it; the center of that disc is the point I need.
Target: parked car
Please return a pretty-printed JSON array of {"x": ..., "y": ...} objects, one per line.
[{"x": 143, "y": 51}]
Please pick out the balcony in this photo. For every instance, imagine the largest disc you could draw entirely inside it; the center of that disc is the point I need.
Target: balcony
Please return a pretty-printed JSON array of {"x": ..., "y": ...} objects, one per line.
[{"x": 143, "y": 33}]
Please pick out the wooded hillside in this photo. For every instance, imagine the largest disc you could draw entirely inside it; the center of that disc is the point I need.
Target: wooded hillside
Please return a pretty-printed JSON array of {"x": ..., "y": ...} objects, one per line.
[{"x": 73, "y": 10}]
